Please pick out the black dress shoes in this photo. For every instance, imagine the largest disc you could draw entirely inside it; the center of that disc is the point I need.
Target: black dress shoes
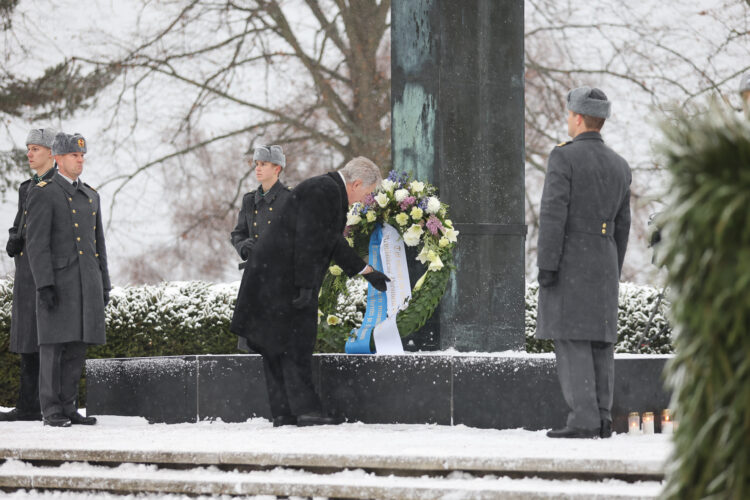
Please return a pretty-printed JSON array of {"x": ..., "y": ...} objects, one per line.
[
  {"x": 15, "y": 415},
  {"x": 57, "y": 420},
  {"x": 572, "y": 432},
  {"x": 284, "y": 420},
  {"x": 318, "y": 418},
  {"x": 78, "y": 419},
  {"x": 606, "y": 430}
]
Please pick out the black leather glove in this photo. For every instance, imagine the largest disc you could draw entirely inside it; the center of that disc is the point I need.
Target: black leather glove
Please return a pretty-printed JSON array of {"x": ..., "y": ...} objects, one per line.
[
  {"x": 547, "y": 278},
  {"x": 304, "y": 298},
  {"x": 106, "y": 297},
  {"x": 48, "y": 297},
  {"x": 377, "y": 279},
  {"x": 14, "y": 247},
  {"x": 246, "y": 248}
]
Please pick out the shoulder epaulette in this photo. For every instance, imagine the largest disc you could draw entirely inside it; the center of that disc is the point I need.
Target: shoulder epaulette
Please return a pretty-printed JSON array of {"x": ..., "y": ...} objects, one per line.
[
  {"x": 564, "y": 144},
  {"x": 42, "y": 184},
  {"x": 90, "y": 187}
]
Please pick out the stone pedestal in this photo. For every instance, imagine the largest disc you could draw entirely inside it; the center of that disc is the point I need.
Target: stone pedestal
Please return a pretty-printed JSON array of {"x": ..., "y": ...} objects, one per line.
[{"x": 458, "y": 122}]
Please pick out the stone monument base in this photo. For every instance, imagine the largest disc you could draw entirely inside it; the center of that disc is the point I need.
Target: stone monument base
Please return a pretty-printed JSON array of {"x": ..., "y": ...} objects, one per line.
[{"x": 497, "y": 390}]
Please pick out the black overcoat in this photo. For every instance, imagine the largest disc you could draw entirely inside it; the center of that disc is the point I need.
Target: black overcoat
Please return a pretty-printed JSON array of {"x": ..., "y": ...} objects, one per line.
[
  {"x": 23, "y": 338},
  {"x": 65, "y": 243},
  {"x": 295, "y": 255},
  {"x": 584, "y": 223}
]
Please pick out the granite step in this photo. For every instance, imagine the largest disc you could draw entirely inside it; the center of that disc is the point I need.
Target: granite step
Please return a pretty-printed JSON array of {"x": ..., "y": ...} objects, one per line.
[{"x": 126, "y": 478}]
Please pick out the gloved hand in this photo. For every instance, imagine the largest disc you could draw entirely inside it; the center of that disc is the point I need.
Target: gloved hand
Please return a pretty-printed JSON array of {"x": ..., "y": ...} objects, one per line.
[
  {"x": 48, "y": 297},
  {"x": 547, "y": 278},
  {"x": 246, "y": 248},
  {"x": 14, "y": 247},
  {"x": 303, "y": 299},
  {"x": 377, "y": 279},
  {"x": 106, "y": 297}
]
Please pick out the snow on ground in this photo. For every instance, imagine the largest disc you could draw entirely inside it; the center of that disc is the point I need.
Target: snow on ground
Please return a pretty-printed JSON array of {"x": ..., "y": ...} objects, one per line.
[
  {"x": 355, "y": 440},
  {"x": 402, "y": 440}
]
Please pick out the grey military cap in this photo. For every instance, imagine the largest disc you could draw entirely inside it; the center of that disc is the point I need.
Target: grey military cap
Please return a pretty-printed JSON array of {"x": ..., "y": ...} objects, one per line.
[
  {"x": 589, "y": 101},
  {"x": 274, "y": 154},
  {"x": 745, "y": 83},
  {"x": 68, "y": 143},
  {"x": 41, "y": 137}
]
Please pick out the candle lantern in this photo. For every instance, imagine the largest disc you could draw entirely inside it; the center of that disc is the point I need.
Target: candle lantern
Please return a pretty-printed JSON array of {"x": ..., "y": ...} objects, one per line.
[
  {"x": 667, "y": 426},
  {"x": 634, "y": 423},
  {"x": 648, "y": 422}
]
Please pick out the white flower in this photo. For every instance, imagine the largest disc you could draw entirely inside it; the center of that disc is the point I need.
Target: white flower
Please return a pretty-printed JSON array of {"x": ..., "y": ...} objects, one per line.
[
  {"x": 444, "y": 242},
  {"x": 447, "y": 223},
  {"x": 416, "y": 213},
  {"x": 433, "y": 205},
  {"x": 387, "y": 185},
  {"x": 451, "y": 234},
  {"x": 400, "y": 195},
  {"x": 432, "y": 256},
  {"x": 416, "y": 186},
  {"x": 371, "y": 216},
  {"x": 422, "y": 257},
  {"x": 420, "y": 282},
  {"x": 335, "y": 270},
  {"x": 413, "y": 235},
  {"x": 402, "y": 219},
  {"x": 382, "y": 199},
  {"x": 352, "y": 219},
  {"x": 333, "y": 320},
  {"x": 436, "y": 264},
  {"x": 350, "y": 241}
]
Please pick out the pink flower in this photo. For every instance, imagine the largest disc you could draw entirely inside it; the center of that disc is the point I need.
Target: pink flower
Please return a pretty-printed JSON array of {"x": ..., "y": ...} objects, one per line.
[
  {"x": 434, "y": 225},
  {"x": 408, "y": 201},
  {"x": 347, "y": 231},
  {"x": 369, "y": 200}
]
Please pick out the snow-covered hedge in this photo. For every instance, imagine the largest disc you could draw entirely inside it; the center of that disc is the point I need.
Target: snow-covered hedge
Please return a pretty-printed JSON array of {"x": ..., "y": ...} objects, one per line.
[
  {"x": 193, "y": 318},
  {"x": 642, "y": 324}
]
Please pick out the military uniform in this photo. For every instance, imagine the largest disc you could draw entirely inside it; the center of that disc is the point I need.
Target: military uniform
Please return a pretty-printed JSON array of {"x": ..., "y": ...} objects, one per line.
[
  {"x": 583, "y": 234},
  {"x": 67, "y": 252},
  {"x": 259, "y": 213},
  {"x": 23, "y": 336}
]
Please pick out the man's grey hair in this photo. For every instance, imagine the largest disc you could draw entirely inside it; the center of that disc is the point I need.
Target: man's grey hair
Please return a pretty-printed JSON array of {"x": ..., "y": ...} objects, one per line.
[{"x": 362, "y": 169}]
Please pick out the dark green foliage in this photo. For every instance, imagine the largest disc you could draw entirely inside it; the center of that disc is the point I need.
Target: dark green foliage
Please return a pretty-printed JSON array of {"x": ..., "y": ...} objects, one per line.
[
  {"x": 706, "y": 242},
  {"x": 60, "y": 91}
]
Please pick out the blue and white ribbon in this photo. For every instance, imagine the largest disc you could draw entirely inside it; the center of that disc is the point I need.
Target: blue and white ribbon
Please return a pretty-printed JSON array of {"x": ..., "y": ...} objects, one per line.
[
  {"x": 377, "y": 303},
  {"x": 388, "y": 255}
]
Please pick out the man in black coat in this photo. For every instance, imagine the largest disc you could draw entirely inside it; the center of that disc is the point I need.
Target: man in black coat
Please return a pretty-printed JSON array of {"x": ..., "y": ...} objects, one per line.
[
  {"x": 23, "y": 338},
  {"x": 583, "y": 234},
  {"x": 277, "y": 304},
  {"x": 68, "y": 259},
  {"x": 262, "y": 208}
]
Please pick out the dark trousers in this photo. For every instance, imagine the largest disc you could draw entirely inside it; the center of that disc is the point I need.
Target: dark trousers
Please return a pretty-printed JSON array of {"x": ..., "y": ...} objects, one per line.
[
  {"x": 586, "y": 371},
  {"x": 60, "y": 367},
  {"x": 28, "y": 390},
  {"x": 289, "y": 384}
]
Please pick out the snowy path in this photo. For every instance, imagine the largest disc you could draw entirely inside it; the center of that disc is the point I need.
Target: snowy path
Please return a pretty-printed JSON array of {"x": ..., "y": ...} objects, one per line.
[{"x": 440, "y": 457}]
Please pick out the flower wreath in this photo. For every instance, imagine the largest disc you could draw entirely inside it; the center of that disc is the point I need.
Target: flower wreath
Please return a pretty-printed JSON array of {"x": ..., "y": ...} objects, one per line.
[{"x": 414, "y": 210}]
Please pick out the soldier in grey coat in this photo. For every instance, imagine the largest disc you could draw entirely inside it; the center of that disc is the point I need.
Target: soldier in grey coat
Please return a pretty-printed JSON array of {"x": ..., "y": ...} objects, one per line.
[
  {"x": 583, "y": 233},
  {"x": 261, "y": 209},
  {"x": 23, "y": 339},
  {"x": 69, "y": 262}
]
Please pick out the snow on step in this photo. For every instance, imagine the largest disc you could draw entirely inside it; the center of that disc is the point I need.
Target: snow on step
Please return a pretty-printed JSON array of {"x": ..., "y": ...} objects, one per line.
[
  {"x": 356, "y": 445},
  {"x": 288, "y": 482}
]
